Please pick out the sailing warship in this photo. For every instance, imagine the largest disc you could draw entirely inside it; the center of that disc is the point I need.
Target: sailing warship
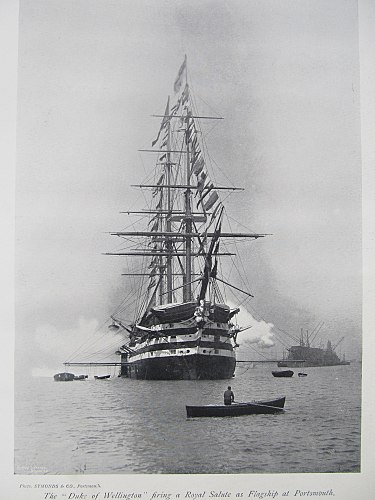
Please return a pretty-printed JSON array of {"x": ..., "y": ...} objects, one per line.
[{"x": 183, "y": 329}]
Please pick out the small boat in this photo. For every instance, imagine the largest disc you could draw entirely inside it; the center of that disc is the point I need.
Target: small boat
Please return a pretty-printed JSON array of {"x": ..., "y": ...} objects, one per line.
[
  {"x": 63, "y": 377},
  {"x": 283, "y": 373},
  {"x": 101, "y": 377},
  {"x": 237, "y": 409},
  {"x": 80, "y": 377},
  {"x": 302, "y": 374}
]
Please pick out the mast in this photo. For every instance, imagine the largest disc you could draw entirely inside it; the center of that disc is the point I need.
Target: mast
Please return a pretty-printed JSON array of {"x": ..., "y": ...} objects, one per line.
[
  {"x": 161, "y": 260},
  {"x": 168, "y": 241},
  {"x": 188, "y": 219}
]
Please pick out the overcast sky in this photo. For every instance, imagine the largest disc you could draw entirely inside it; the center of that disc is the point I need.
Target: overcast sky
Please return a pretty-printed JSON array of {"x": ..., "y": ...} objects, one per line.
[{"x": 285, "y": 77}]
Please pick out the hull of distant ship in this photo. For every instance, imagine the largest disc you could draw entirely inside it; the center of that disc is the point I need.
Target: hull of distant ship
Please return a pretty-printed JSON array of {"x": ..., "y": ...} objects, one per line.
[
  {"x": 192, "y": 367},
  {"x": 307, "y": 364}
]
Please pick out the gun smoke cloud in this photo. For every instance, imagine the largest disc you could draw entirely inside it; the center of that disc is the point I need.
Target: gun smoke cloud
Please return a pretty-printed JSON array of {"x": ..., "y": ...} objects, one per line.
[
  {"x": 259, "y": 334},
  {"x": 85, "y": 341}
]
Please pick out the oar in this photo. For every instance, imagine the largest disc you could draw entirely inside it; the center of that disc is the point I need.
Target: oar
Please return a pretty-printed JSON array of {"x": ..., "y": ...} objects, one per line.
[{"x": 262, "y": 406}]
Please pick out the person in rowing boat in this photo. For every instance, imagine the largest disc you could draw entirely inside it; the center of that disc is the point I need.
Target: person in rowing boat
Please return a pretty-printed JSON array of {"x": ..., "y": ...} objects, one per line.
[{"x": 228, "y": 396}]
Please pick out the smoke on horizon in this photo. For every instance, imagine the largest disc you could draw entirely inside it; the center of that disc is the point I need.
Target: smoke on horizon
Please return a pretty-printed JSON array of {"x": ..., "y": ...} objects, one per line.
[{"x": 88, "y": 341}]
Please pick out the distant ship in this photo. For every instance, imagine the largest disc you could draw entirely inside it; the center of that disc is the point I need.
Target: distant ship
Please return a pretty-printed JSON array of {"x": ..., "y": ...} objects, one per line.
[{"x": 304, "y": 355}]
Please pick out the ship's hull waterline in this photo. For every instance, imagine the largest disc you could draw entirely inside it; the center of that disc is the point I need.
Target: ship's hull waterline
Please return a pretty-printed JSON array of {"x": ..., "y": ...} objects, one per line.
[
  {"x": 308, "y": 364},
  {"x": 186, "y": 367}
]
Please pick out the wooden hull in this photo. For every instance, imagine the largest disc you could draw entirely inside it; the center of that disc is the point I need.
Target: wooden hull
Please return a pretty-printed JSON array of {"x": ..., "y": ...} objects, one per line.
[
  {"x": 194, "y": 367},
  {"x": 237, "y": 409},
  {"x": 172, "y": 344},
  {"x": 283, "y": 373}
]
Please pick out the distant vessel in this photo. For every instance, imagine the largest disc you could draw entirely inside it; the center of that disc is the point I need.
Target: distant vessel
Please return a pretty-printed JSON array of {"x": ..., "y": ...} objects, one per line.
[
  {"x": 312, "y": 356},
  {"x": 183, "y": 329},
  {"x": 283, "y": 373},
  {"x": 64, "y": 377}
]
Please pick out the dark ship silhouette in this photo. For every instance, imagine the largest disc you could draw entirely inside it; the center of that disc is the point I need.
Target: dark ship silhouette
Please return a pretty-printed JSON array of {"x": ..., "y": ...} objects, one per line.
[{"x": 304, "y": 355}]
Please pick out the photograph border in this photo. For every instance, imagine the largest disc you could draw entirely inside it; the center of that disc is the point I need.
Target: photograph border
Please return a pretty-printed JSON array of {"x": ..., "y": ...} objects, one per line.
[{"x": 345, "y": 486}]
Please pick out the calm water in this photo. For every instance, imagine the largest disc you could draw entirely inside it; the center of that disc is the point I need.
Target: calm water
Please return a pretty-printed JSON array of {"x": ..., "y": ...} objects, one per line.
[{"x": 129, "y": 426}]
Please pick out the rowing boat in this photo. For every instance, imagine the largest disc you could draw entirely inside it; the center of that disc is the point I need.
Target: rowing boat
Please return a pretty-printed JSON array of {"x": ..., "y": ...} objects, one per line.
[{"x": 237, "y": 409}]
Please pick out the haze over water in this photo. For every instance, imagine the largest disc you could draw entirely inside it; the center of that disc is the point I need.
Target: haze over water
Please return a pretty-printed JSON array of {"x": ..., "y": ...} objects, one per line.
[{"x": 129, "y": 426}]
